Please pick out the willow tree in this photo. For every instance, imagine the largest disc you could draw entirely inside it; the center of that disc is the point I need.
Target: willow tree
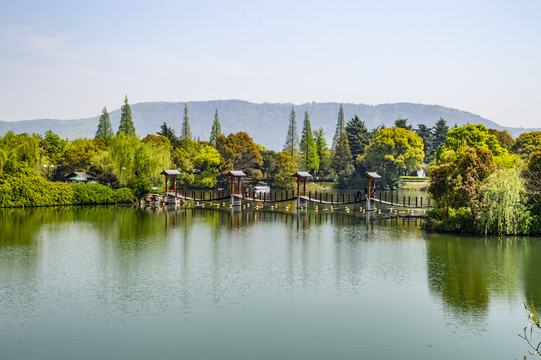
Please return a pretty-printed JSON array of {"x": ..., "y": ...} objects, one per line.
[{"x": 502, "y": 211}]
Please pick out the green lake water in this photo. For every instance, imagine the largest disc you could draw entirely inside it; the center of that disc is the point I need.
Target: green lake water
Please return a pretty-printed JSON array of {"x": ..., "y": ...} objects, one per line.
[{"x": 129, "y": 283}]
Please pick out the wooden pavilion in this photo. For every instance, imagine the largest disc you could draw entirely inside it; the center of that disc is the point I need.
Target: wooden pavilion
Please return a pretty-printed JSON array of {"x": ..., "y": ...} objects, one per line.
[
  {"x": 168, "y": 175},
  {"x": 302, "y": 175}
]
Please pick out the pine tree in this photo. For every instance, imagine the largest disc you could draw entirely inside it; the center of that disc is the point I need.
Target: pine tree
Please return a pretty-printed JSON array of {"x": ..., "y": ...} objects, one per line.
[
  {"x": 185, "y": 133},
  {"x": 403, "y": 123},
  {"x": 439, "y": 134},
  {"x": 292, "y": 139},
  {"x": 126, "y": 123},
  {"x": 308, "y": 149},
  {"x": 105, "y": 131},
  {"x": 216, "y": 130},
  {"x": 425, "y": 133},
  {"x": 358, "y": 136},
  {"x": 168, "y": 133},
  {"x": 340, "y": 128},
  {"x": 342, "y": 154}
]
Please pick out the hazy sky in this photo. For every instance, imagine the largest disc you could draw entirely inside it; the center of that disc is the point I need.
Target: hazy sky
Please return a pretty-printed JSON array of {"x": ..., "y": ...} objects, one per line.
[{"x": 68, "y": 59}]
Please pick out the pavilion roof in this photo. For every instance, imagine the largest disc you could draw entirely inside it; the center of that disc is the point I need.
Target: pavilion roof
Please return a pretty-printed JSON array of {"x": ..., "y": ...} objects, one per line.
[
  {"x": 236, "y": 173},
  {"x": 372, "y": 175},
  {"x": 302, "y": 174},
  {"x": 170, "y": 172}
]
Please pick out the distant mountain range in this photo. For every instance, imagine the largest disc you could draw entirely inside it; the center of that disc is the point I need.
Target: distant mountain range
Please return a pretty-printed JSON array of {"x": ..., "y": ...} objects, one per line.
[{"x": 266, "y": 123}]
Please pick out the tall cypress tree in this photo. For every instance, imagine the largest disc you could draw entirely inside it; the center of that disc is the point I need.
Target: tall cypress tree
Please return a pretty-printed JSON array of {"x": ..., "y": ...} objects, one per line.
[
  {"x": 308, "y": 149},
  {"x": 216, "y": 131},
  {"x": 185, "y": 133},
  {"x": 105, "y": 130},
  {"x": 292, "y": 139},
  {"x": 342, "y": 154},
  {"x": 126, "y": 123},
  {"x": 340, "y": 128}
]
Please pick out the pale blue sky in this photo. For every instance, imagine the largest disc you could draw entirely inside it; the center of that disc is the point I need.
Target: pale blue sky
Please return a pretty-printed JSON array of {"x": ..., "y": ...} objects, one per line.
[{"x": 67, "y": 59}]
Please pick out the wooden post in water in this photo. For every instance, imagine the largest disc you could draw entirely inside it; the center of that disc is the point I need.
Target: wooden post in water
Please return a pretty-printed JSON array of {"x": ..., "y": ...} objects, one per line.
[
  {"x": 404, "y": 201},
  {"x": 409, "y": 198},
  {"x": 416, "y": 201}
]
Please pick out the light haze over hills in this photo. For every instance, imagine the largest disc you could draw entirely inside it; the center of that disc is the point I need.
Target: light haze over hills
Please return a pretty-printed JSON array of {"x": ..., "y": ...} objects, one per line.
[{"x": 266, "y": 123}]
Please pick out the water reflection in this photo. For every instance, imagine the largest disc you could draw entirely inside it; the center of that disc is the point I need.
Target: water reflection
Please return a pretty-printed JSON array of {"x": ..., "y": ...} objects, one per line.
[
  {"x": 470, "y": 272},
  {"x": 273, "y": 277}
]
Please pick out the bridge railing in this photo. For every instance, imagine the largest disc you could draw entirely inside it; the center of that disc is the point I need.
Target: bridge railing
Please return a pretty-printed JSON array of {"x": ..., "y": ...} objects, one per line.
[{"x": 387, "y": 198}]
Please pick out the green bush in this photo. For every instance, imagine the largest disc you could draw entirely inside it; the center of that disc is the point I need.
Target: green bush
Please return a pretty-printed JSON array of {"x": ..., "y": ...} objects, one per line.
[
  {"x": 459, "y": 220},
  {"x": 28, "y": 188}
]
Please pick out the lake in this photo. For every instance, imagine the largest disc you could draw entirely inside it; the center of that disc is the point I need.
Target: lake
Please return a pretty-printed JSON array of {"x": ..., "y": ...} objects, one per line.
[{"x": 131, "y": 283}]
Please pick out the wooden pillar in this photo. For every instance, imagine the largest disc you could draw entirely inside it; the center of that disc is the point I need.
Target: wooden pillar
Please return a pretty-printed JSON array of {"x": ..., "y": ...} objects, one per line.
[
  {"x": 175, "y": 184},
  {"x": 166, "y": 184},
  {"x": 304, "y": 187},
  {"x": 298, "y": 185}
]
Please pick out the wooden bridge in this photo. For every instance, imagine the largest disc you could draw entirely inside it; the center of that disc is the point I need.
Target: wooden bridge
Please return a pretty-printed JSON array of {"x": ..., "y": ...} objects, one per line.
[
  {"x": 235, "y": 196},
  {"x": 384, "y": 198}
]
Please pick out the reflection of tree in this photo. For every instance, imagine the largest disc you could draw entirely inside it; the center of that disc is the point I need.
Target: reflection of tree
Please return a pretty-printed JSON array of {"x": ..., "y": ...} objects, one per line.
[
  {"x": 466, "y": 272},
  {"x": 532, "y": 290}
]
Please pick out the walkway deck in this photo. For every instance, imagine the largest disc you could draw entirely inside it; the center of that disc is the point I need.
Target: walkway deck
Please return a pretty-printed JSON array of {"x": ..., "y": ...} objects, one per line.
[{"x": 343, "y": 199}]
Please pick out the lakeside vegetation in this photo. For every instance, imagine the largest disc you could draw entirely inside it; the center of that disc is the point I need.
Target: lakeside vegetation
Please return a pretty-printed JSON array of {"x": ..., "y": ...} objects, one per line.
[{"x": 482, "y": 180}]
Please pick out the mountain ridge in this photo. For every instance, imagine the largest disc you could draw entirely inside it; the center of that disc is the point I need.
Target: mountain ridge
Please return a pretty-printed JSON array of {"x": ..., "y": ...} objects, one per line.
[{"x": 266, "y": 123}]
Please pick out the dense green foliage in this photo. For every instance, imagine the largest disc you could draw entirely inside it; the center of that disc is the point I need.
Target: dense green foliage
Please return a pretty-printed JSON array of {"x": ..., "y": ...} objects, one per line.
[
  {"x": 358, "y": 136},
  {"x": 479, "y": 187},
  {"x": 527, "y": 143},
  {"x": 395, "y": 151},
  {"x": 28, "y": 188}
]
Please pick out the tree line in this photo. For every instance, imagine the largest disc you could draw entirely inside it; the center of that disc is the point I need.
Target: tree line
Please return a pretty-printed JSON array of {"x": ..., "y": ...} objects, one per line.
[{"x": 460, "y": 161}]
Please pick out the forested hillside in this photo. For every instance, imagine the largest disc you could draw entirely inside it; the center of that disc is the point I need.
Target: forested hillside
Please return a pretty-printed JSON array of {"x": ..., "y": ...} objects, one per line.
[{"x": 266, "y": 123}]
